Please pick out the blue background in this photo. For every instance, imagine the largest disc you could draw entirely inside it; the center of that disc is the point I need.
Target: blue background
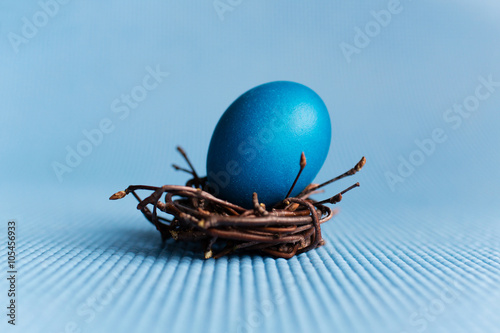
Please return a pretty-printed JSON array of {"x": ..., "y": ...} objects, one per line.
[{"x": 422, "y": 256}]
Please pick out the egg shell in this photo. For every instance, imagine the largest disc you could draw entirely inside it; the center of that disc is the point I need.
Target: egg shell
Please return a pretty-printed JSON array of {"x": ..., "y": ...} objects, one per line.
[{"x": 257, "y": 143}]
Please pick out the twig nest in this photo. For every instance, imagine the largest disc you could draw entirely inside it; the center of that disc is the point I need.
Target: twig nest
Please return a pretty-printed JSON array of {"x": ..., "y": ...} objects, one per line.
[{"x": 290, "y": 227}]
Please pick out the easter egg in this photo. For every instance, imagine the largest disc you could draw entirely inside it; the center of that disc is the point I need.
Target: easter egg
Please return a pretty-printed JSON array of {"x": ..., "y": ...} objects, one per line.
[{"x": 257, "y": 143}]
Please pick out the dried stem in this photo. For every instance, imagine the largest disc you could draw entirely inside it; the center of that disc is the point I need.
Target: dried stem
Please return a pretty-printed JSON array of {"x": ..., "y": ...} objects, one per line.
[
  {"x": 337, "y": 197},
  {"x": 351, "y": 172},
  {"x": 178, "y": 168},
  {"x": 303, "y": 163},
  {"x": 195, "y": 175}
]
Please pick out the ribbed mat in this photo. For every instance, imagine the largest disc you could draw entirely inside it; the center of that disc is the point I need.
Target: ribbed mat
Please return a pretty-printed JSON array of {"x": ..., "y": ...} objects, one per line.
[{"x": 390, "y": 273}]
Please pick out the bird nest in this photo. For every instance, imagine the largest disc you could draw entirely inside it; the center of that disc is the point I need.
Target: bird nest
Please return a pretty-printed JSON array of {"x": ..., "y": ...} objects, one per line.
[{"x": 291, "y": 227}]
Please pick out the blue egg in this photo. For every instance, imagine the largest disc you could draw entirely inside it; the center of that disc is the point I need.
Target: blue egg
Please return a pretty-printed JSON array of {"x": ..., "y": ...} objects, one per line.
[{"x": 257, "y": 143}]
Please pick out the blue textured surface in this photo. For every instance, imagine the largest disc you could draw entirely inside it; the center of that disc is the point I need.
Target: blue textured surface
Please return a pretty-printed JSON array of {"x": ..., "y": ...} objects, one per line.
[
  {"x": 419, "y": 253},
  {"x": 257, "y": 143}
]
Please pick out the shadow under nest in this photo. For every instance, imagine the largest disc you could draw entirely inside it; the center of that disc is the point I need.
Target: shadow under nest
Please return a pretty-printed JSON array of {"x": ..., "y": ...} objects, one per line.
[{"x": 291, "y": 227}]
